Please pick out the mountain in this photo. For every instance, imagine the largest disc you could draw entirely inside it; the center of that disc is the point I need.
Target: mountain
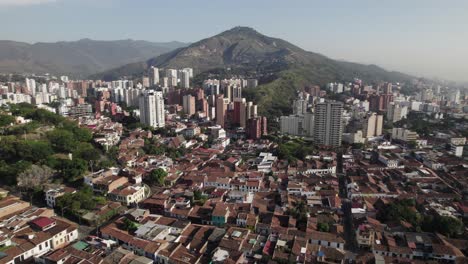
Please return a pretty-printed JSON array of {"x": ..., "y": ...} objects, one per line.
[
  {"x": 281, "y": 66},
  {"x": 77, "y": 58}
]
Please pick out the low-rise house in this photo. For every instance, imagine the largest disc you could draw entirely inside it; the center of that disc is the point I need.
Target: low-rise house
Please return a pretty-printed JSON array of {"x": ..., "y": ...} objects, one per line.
[
  {"x": 51, "y": 195},
  {"x": 128, "y": 194}
]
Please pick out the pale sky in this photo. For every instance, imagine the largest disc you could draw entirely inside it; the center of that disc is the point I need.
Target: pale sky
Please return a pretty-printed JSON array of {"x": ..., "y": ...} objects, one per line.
[{"x": 423, "y": 37}]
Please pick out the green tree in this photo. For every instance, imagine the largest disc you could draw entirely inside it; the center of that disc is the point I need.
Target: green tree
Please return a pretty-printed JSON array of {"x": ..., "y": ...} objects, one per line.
[
  {"x": 71, "y": 170},
  {"x": 82, "y": 134},
  {"x": 157, "y": 177},
  {"x": 33, "y": 150},
  {"x": 129, "y": 225},
  {"x": 323, "y": 227},
  {"x": 62, "y": 140},
  {"x": 445, "y": 225},
  {"x": 86, "y": 151},
  {"x": 5, "y": 120}
]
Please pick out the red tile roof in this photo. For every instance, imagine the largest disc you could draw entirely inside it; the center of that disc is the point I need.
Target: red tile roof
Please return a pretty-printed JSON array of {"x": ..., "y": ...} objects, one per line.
[{"x": 42, "y": 222}]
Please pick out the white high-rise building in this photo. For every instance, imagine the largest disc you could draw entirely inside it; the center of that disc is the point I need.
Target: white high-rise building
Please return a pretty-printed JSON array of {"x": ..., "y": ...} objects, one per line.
[
  {"x": 154, "y": 73},
  {"x": 328, "y": 125},
  {"x": 62, "y": 92},
  {"x": 372, "y": 125},
  {"x": 43, "y": 88},
  {"x": 189, "y": 70},
  {"x": 165, "y": 82},
  {"x": 298, "y": 125},
  {"x": 172, "y": 82},
  {"x": 299, "y": 107},
  {"x": 152, "y": 108},
  {"x": 396, "y": 112},
  {"x": 170, "y": 73},
  {"x": 31, "y": 85},
  {"x": 185, "y": 79}
]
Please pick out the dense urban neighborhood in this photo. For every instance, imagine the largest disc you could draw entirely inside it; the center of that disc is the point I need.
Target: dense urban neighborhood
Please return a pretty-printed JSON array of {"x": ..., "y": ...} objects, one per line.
[{"x": 161, "y": 169}]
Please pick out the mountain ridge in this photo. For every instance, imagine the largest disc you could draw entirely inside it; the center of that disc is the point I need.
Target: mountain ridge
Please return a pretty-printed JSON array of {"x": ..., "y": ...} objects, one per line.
[
  {"x": 238, "y": 47},
  {"x": 281, "y": 67},
  {"x": 77, "y": 58}
]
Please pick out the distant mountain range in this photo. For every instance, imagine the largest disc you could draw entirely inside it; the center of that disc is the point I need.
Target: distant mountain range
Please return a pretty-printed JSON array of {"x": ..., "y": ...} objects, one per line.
[
  {"x": 77, "y": 58},
  {"x": 283, "y": 67}
]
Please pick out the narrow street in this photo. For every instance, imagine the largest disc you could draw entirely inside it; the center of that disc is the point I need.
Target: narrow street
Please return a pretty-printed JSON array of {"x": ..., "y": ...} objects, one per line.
[{"x": 349, "y": 230}]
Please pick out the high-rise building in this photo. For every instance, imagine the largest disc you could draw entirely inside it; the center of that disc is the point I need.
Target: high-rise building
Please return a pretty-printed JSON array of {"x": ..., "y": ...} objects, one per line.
[
  {"x": 243, "y": 114},
  {"x": 372, "y": 125},
  {"x": 253, "y": 111},
  {"x": 239, "y": 108},
  {"x": 185, "y": 79},
  {"x": 202, "y": 106},
  {"x": 170, "y": 73},
  {"x": 189, "y": 70},
  {"x": 221, "y": 107},
  {"x": 236, "y": 92},
  {"x": 172, "y": 82},
  {"x": 328, "y": 125},
  {"x": 228, "y": 92},
  {"x": 395, "y": 112},
  {"x": 145, "y": 81},
  {"x": 299, "y": 107},
  {"x": 298, "y": 125},
  {"x": 189, "y": 104},
  {"x": 388, "y": 88},
  {"x": 380, "y": 102},
  {"x": 154, "y": 73},
  {"x": 256, "y": 127},
  {"x": 165, "y": 82},
  {"x": 152, "y": 108},
  {"x": 31, "y": 85}
]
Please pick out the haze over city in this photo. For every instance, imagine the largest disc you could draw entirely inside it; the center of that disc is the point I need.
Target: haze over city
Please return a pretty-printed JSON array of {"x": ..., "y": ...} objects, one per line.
[
  {"x": 424, "y": 38},
  {"x": 266, "y": 132}
]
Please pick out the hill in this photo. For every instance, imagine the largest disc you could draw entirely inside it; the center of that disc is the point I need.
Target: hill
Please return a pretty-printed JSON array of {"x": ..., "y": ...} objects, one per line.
[
  {"x": 76, "y": 58},
  {"x": 281, "y": 66}
]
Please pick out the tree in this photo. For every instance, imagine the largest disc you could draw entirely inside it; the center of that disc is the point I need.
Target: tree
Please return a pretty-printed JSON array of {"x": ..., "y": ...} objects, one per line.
[
  {"x": 9, "y": 172},
  {"x": 199, "y": 198},
  {"x": 76, "y": 202},
  {"x": 445, "y": 225},
  {"x": 33, "y": 150},
  {"x": 71, "y": 170},
  {"x": 5, "y": 120},
  {"x": 129, "y": 225},
  {"x": 87, "y": 152},
  {"x": 82, "y": 134},
  {"x": 299, "y": 212},
  {"x": 323, "y": 227},
  {"x": 34, "y": 177},
  {"x": 62, "y": 140},
  {"x": 157, "y": 176}
]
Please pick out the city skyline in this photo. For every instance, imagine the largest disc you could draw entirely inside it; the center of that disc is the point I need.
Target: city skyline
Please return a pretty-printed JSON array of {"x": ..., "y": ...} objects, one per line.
[{"x": 431, "y": 44}]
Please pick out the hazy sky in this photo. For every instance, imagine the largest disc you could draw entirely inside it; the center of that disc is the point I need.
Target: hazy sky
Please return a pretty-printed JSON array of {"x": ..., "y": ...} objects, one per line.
[{"x": 423, "y": 37}]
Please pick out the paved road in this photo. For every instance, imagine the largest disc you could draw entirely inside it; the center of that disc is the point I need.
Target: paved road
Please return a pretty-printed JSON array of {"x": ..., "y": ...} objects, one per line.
[{"x": 346, "y": 205}]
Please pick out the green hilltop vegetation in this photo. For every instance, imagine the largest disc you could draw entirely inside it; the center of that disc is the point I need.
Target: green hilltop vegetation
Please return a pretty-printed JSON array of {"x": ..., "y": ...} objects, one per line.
[
  {"x": 281, "y": 67},
  {"x": 38, "y": 152}
]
